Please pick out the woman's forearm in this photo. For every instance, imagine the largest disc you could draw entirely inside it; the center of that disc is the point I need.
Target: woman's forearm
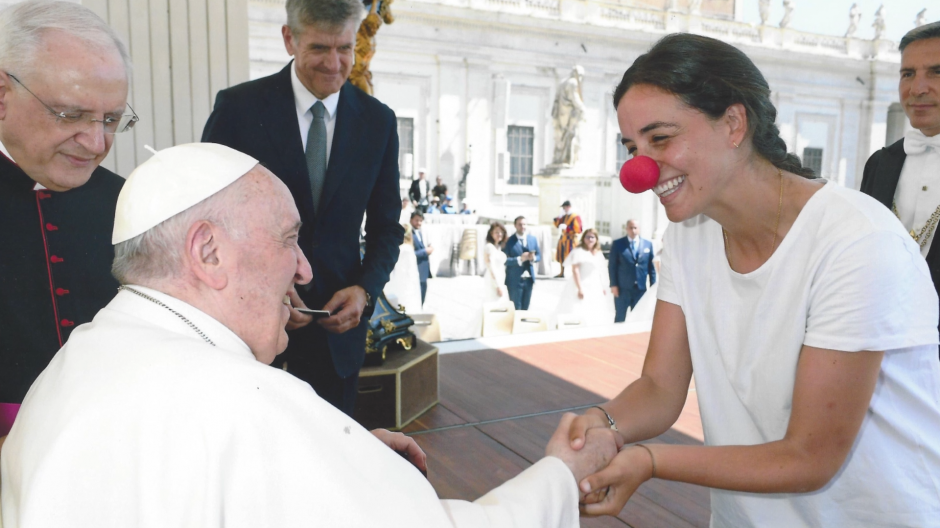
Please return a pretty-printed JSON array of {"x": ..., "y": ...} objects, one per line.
[
  {"x": 774, "y": 467},
  {"x": 643, "y": 410},
  {"x": 576, "y": 273}
]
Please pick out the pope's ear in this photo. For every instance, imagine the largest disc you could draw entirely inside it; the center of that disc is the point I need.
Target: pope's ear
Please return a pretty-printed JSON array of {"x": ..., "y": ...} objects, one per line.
[{"x": 204, "y": 254}]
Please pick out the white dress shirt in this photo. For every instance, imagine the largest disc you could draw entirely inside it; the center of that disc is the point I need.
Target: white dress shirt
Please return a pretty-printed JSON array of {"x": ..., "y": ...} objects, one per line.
[
  {"x": 303, "y": 100},
  {"x": 918, "y": 192}
]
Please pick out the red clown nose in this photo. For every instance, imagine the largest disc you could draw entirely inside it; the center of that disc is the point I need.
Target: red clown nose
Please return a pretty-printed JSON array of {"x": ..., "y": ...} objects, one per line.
[{"x": 639, "y": 175}]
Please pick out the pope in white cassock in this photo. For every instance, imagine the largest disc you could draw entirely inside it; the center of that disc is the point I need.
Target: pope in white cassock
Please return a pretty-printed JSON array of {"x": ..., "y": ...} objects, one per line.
[{"x": 163, "y": 410}]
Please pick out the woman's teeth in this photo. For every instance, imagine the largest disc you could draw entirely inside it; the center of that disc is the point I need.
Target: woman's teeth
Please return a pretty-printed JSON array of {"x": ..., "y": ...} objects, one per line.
[{"x": 668, "y": 187}]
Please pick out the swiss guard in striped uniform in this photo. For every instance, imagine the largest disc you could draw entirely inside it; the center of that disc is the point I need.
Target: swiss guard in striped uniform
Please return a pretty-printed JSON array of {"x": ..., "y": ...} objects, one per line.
[{"x": 570, "y": 225}]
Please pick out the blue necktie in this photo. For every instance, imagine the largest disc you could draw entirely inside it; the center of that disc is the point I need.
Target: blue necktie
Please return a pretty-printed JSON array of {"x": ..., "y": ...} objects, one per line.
[{"x": 316, "y": 153}]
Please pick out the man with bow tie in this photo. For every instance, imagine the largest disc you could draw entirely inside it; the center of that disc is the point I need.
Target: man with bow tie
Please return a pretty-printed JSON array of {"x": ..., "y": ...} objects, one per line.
[{"x": 906, "y": 175}]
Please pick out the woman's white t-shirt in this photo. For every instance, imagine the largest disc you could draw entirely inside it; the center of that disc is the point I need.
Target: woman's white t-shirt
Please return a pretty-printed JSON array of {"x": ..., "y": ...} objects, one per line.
[{"x": 846, "y": 277}]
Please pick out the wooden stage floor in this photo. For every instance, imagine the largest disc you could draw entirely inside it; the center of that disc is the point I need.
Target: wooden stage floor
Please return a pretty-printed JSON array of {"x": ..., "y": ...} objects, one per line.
[{"x": 499, "y": 407}]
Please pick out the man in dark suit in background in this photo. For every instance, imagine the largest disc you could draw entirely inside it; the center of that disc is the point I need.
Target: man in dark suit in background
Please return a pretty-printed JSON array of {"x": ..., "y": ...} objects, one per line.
[
  {"x": 420, "y": 191},
  {"x": 422, "y": 252},
  {"x": 522, "y": 252},
  {"x": 631, "y": 261},
  {"x": 336, "y": 149},
  {"x": 905, "y": 176}
]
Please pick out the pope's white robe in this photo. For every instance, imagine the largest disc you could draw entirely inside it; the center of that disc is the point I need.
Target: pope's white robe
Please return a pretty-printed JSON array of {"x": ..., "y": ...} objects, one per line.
[{"x": 138, "y": 422}]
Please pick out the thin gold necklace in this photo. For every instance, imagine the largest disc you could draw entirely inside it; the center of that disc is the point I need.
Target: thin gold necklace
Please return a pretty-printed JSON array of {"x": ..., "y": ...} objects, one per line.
[{"x": 773, "y": 246}]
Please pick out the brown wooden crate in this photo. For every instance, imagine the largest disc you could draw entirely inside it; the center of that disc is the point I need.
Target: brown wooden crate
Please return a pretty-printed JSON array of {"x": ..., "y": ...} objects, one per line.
[{"x": 395, "y": 393}]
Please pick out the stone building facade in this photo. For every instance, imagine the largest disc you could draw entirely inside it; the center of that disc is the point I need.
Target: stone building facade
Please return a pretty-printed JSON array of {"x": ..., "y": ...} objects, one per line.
[{"x": 473, "y": 81}]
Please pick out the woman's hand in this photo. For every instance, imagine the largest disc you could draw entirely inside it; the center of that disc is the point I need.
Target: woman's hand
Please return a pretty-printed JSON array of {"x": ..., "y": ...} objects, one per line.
[
  {"x": 580, "y": 294},
  {"x": 501, "y": 291},
  {"x": 630, "y": 468}
]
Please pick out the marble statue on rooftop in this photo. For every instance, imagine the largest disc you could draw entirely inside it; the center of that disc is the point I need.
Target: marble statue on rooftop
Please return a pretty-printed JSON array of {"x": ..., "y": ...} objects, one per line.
[
  {"x": 380, "y": 12},
  {"x": 670, "y": 5},
  {"x": 764, "y": 8},
  {"x": 567, "y": 114},
  {"x": 788, "y": 7},
  {"x": 879, "y": 23},
  {"x": 855, "y": 15},
  {"x": 921, "y": 18},
  {"x": 695, "y": 7}
]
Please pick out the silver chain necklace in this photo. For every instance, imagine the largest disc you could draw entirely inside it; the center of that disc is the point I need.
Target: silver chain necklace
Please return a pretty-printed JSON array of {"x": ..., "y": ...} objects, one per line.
[{"x": 174, "y": 312}]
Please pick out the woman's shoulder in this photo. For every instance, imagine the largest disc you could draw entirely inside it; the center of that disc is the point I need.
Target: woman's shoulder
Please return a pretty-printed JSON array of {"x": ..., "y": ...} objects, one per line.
[{"x": 839, "y": 213}]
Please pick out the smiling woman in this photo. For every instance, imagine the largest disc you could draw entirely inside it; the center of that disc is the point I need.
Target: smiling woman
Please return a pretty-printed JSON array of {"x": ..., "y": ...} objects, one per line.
[{"x": 803, "y": 309}]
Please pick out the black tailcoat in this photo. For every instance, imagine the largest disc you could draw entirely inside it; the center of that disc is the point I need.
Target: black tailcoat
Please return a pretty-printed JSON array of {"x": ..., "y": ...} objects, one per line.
[{"x": 880, "y": 181}]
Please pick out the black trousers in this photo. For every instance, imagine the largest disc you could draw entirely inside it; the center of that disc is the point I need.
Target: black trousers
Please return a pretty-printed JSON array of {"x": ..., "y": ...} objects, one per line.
[{"x": 308, "y": 358}]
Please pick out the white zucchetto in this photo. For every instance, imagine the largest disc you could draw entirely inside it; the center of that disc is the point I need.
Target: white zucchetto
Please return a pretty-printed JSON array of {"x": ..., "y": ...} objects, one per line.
[{"x": 172, "y": 181}]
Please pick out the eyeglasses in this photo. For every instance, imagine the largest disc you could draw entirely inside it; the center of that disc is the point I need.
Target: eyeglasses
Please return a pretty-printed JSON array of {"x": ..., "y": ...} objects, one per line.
[{"x": 81, "y": 121}]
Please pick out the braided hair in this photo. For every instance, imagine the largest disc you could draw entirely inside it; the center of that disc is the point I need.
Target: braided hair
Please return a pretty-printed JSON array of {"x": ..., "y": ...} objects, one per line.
[{"x": 710, "y": 76}]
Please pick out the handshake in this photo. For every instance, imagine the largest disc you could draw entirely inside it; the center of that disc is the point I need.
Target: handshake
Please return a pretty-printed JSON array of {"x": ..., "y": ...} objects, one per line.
[{"x": 606, "y": 476}]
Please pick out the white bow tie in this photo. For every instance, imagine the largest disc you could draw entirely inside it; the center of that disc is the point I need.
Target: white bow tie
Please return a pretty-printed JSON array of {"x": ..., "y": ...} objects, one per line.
[{"x": 915, "y": 142}]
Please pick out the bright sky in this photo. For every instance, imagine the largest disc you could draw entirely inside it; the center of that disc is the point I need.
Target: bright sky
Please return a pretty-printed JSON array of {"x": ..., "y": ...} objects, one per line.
[{"x": 831, "y": 17}]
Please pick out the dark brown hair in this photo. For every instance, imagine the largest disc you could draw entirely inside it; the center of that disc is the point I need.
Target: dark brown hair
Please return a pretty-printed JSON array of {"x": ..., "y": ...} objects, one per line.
[
  {"x": 489, "y": 234},
  {"x": 709, "y": 75}
]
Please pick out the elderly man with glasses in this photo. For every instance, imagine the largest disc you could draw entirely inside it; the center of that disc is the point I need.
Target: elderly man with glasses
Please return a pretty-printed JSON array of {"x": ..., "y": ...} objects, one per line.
[{"x": 63, "y": 96}]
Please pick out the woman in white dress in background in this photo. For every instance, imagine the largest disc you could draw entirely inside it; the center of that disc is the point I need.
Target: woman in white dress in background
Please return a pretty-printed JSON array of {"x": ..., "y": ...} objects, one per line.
[
  {"x": 404, "y": 286},
  {"x": 587, "y": 292},
  {"x": 495, "y": 259},
  {"x": 494, "y": 277}
]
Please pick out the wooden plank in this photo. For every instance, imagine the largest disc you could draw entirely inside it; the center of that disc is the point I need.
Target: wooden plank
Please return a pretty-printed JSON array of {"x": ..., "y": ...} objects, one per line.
[
  {"x": 100, "y": 8},
  {"x": 602, "y": 522},
  {"x": 437, "y": 416},
  {"x": 218, "y": 50},
  {"x": 179, "y": 69},
  {"x": 465, "y": 464},
  {"x": 237, "y": 31},
  {"x": 199, "y": 67},
  {"x": 489, "y": 384},
  {"x": 141, "y": 98},
  {"x": 162, "y": 74},
  {"x": 124, "y": 156}
]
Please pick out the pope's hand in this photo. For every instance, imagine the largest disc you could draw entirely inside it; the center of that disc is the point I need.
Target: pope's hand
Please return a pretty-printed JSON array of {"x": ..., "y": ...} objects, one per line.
[
  {"x": 599, "y": 449},
  {"x": 297, "y": 319},
  {"x": 580, "y": 425},
  {"x": 607, "y": 491},
  {"x": 406, "y": 446},
  {"x": 346, "y": 306}
]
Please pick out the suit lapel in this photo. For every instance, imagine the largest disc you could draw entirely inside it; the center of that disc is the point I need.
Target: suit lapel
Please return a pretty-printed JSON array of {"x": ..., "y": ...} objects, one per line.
[
  {"x": 346, "y": 139},
  {"x": 889, "y": 172},
  {"x": 284, "y": 132}
]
